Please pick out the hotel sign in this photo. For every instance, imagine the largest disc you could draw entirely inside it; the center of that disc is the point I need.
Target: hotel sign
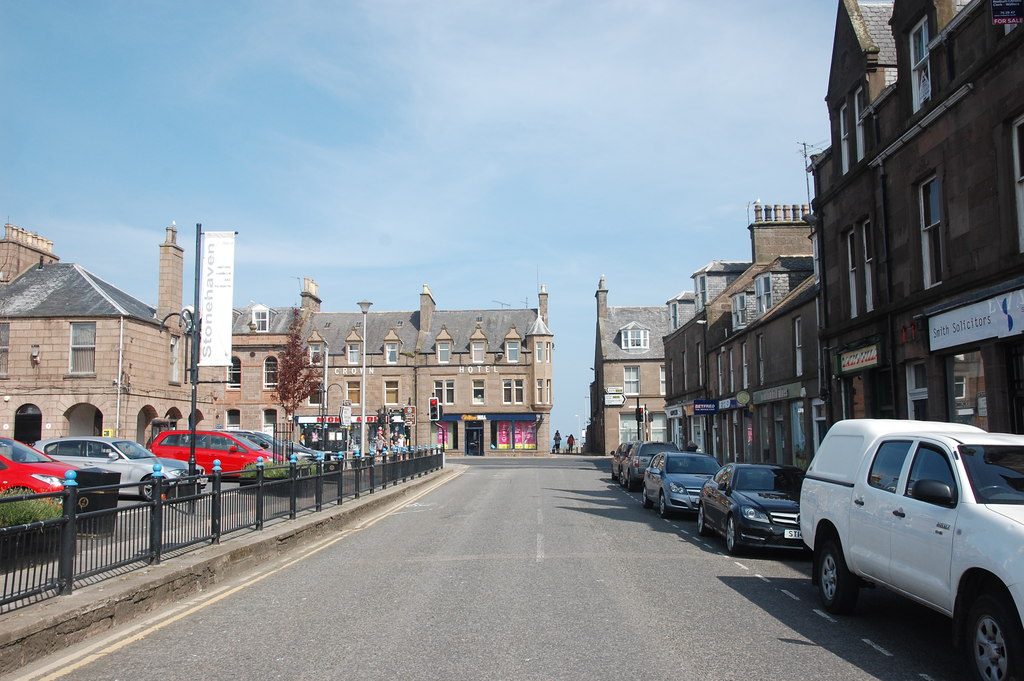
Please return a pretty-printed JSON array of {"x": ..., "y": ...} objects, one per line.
[
  {"x": 859, "y": 359},
  {"x": 996, "y": 317}
]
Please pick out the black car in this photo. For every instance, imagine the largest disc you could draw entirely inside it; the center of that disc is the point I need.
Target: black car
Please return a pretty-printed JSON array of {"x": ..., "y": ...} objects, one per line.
[{"x": 753, "y": 505}]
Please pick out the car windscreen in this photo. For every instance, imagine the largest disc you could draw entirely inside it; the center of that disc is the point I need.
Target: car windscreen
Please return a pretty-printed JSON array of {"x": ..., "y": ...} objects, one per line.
[
  {"x": 782, "y": 480},
  {"x": 652, "y": 448},
  {"x": 16, "y": 451},
  {"x": 694, "y": 465},
  {"x": 996, "y": 473},
  {"x": 133, "y": 450}
]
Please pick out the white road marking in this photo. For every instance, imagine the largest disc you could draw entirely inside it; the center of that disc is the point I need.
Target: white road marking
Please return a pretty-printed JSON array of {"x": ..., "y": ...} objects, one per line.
[
  {"x": 877, "y": 647},
  {"x": 741, "y": 566},
  {"x": 763, "y": 578},
  {"x": 790, "y": 594},
  {"x": 540, "y": 547},
  {"x": 823, "y": 614}
]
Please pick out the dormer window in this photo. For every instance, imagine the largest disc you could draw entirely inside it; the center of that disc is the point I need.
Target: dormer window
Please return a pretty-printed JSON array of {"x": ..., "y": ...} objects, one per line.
[
  {"x": 919, "y": 67},
  {"x": 739, "y": 310},
  {"x": 635, "y": 338},
  {"x": 261, "y": 320},
  {"x": 444, "y": 352},
  {"x": 700, "y": 288},
  {"x": 763, "y": 292},
  {"x": 478, "y": 352},
  {"x": 511, "y": 351},
  {"x": 391, "y": 352}
]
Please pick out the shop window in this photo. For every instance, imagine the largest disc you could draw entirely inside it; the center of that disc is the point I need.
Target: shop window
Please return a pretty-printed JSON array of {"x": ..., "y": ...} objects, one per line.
[
  {"x": 965, "y": 374},
  {"x": 1018, "y": 177},
  {"x": 797, "y": 430},
  {"x": 917, "y": 391}
]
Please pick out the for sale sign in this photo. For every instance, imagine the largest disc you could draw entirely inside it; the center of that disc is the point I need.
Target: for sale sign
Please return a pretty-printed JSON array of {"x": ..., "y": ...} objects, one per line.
[{"x": 1007, "y": 11}]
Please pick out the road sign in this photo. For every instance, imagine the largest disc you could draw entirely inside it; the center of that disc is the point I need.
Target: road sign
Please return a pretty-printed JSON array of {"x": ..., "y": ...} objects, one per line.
[
  {"x": 614, "y": 400},
  {"x": 614, "y": 390}
]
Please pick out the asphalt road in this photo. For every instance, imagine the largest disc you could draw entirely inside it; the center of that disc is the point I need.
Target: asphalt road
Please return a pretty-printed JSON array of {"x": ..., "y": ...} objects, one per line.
[{"x": 522, "y": 569}]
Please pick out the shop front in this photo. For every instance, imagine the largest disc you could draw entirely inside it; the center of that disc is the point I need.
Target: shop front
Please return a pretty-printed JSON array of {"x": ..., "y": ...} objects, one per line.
[
  {"x": 865, "y": 383},
  {"x": 488, "y": 433},
  {"x": 783, "y": 426}
]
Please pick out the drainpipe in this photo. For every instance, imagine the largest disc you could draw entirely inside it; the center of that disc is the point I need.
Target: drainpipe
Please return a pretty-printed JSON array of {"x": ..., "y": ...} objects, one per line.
[{"x": 120, "y": 374}]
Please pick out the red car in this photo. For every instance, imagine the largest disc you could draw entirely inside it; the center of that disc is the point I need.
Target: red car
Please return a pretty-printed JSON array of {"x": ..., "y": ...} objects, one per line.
[
  {"x": 233, "y": 451},
  {"x": 28, "y": 471}
]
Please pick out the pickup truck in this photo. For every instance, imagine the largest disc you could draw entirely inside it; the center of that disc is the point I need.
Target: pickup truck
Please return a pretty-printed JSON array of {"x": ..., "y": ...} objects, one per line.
[{"x": 933, "y": 511}]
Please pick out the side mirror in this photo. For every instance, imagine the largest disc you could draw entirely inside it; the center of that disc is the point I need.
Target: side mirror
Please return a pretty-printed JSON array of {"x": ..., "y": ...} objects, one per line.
[
  {"x": 233, "y": 449},
  {"x": 933, "y": 492},
  {"x": 112, "y": 456},
  {"x": 723, "y": 486}
]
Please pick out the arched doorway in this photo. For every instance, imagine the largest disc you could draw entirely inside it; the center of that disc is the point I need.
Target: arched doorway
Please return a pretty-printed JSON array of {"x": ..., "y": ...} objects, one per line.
[
  {"x": 145, "y": 416},
  {"x": 28, "y": 424},
  {"x": 84, "y": 419}
]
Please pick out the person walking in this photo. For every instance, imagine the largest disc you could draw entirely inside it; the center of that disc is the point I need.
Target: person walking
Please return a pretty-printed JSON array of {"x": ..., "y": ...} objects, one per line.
[
  {"x": 570, "y": 442},
  {"x": 558, "y": 443}
]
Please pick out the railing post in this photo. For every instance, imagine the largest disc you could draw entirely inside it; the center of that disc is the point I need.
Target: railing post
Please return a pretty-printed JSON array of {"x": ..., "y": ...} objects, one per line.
[
  {"x": 216, "y": 508},
  {"x": 373, "y": 474},
  {"x": 319, "y": 495},
  {"x": 156, "y": 517},
  {"x": 68, "y": 534},
  {"x": 293, "y": 487},
  {"x": 259, "y": 493}
]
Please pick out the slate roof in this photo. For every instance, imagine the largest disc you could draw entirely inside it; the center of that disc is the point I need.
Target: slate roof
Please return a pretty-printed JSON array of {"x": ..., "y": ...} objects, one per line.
[
  {"x": 728, "y": 266},
  {"x": 875, "y": 17},
  {"x": 68, "y": 290},
  {"x": 655, "y": 319},
  {"x": 335, "y": 327}
]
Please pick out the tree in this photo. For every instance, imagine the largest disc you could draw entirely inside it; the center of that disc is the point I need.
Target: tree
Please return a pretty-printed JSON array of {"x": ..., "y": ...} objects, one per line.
[{"x": 297, "y": 378}]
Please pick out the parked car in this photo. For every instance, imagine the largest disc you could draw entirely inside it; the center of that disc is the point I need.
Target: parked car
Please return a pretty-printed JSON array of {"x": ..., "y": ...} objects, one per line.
[
  {"x": 631, "y": 474},
  {"x": 279, "y": 447},
  {"x": 674, "y": 480},
  {"x": 117, "y": 455},
  {"x": 234, "y": 451},
  {"x": 753, "y": 505},
  {"x": 28, "y": 471},
  {"x": 933, "y": 511},
  {"x": 618, "y": 457}
]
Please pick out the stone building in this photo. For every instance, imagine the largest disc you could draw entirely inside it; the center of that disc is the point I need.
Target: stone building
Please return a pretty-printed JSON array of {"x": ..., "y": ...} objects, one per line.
[
  {"x": 78, "y": 356},
  {"x": 629, "y": 374},
  {"x": 742, "y": 372},
  {"x": 919, "y": 215},
  {"x": 490, "y": 370}
]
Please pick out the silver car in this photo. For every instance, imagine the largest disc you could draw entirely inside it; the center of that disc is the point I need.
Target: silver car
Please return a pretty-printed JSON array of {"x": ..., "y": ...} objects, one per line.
[
  {"x": 673, "y": 481},
  {"x": 117, "y": 455}
]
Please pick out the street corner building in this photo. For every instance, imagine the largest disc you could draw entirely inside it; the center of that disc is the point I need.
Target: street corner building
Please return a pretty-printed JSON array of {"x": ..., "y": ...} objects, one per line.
[{"x": 490, "y": 372}]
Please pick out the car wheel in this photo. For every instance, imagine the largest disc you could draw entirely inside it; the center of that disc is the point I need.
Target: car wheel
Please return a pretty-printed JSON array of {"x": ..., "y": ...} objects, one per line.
[
  {"x": 837, "y": 586},
  {"x": 644, "y": 499},
  {"x": 663, "y": 509},
  {"x": 615, "y": 476},
  {"x": 622, "y": 478},
  {"x": 146, "y": 488},
  {"x": 732, "y": 536},
  {"x": 995, "y": 642},
  {"x": 702, "y": 522}
]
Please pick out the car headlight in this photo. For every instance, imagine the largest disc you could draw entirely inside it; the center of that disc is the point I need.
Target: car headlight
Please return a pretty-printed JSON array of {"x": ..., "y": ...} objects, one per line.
[
  {"x": 51, "y": 480},
  {"x": 676, "y": 489},
  {"x": 174, "y": 472},
  {"x": 756, "y": 514}
]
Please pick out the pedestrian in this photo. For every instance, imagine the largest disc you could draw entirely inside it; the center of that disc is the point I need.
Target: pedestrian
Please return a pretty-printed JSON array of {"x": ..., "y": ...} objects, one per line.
[
  {"x": 558, "y": 443},
  {"x": 692, "y": 446},
  {"x": 570, "y": 442}
]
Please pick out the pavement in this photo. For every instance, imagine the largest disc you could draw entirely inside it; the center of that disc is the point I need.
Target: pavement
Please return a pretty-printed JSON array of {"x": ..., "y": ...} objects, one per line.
[{"x": 40, "y": 629}]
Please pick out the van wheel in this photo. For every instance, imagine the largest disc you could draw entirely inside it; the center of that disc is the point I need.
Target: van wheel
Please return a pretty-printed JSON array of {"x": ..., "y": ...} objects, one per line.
[
  {"x": 837, "y": 586},
  {"x": 995, "y": 643}
]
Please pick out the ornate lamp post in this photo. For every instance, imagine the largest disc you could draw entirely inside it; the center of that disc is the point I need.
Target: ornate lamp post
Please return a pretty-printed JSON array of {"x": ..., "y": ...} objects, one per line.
[{"x": 364, "y": 305}]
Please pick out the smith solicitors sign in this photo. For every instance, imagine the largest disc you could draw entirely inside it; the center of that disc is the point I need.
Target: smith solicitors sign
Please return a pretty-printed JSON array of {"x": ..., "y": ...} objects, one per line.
[{"x": 997, "y": 317}]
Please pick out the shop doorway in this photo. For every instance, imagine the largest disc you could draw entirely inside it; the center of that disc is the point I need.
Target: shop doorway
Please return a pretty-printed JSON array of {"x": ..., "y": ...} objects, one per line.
[{"x": 475, "y": 439}]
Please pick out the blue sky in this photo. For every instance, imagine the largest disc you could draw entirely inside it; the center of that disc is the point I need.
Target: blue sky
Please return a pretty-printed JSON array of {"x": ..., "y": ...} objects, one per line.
[{"x": 480, "y": 147}]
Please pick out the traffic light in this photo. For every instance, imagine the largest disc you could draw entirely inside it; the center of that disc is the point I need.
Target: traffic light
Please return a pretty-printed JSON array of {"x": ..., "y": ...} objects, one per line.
[
  {"x": 639, "y": 414},
  {"x": 436, "y": 411}
]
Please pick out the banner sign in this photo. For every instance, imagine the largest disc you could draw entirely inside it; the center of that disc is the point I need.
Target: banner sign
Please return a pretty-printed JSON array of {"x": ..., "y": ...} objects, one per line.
[
  {"x": 216, "y": 290},
  {"x": 705, "y": 407}
]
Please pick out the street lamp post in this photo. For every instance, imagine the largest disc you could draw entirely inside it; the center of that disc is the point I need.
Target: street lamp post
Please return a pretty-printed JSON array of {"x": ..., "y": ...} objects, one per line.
[
  {"x": 325, "y": 358},
  {"x": 364, "y": 305}
]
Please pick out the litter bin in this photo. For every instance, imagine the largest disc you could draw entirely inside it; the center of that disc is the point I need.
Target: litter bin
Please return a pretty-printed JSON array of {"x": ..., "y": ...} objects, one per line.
[{"x": 97, "y": 491}]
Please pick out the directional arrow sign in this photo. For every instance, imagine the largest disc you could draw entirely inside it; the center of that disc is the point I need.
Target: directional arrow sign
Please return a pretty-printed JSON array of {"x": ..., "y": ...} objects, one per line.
[{"x": 614, "y": 400}]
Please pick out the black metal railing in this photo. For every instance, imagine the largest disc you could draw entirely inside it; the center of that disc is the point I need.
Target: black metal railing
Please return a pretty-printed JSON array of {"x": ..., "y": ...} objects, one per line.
[{"x": 93, "y": 537}]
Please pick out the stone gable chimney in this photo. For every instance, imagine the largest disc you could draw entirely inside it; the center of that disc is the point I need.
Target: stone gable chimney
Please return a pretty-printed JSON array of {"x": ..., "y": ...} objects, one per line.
[
  {"x": 20, "y": 250},
  {"x": 169, "y": 286},
  {"x": 779, "y": 230},
  {"x": 602, "y": 299},
  {"x": 310, "y": 298}
]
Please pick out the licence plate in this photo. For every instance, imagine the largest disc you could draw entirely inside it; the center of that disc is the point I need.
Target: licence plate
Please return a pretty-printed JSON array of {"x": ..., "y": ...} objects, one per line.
[{"x": 793, "y": 534}]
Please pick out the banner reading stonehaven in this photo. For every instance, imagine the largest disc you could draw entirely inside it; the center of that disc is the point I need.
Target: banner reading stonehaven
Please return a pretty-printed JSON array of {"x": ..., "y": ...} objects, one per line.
[{"x": 216, "y": 290}]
